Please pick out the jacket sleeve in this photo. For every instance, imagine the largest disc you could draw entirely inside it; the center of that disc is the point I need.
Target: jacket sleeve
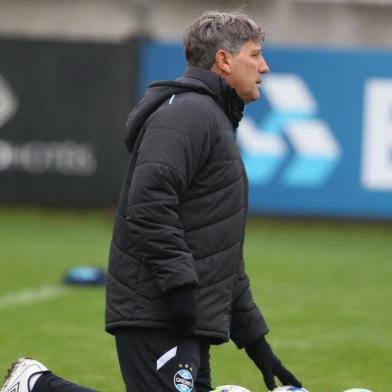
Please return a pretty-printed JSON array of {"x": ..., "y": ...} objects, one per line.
[
  {"x": 247, "y": 322},
  {"x": 167, "y": 160}
]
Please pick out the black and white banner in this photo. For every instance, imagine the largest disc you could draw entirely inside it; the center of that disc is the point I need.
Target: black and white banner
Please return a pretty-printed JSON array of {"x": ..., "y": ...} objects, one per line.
[{"x": 63, "y": 106}]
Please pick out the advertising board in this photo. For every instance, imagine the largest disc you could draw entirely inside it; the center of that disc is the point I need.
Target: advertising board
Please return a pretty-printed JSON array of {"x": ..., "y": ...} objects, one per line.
[{"x": 319, "y": 142}]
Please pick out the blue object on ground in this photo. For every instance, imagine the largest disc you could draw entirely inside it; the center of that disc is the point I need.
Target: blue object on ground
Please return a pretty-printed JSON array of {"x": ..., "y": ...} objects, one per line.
[{"x": 85, "y": 275}]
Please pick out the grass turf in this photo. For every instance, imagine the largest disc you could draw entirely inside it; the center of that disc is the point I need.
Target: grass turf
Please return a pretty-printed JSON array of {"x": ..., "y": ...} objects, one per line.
[{"x": 324, "y": 287}]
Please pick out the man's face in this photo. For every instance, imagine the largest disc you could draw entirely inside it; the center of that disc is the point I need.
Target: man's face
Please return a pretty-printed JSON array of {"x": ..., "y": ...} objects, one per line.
[{"x": 246, "y": 69}]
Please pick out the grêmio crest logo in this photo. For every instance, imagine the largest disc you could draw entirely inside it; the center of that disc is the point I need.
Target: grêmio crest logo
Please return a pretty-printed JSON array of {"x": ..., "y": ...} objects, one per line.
[{"x": 183, "y": 380}]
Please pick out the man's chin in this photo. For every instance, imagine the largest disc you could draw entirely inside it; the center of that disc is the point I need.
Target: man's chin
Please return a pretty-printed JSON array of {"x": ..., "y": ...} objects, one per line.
[{"x": 254, "y": 97}]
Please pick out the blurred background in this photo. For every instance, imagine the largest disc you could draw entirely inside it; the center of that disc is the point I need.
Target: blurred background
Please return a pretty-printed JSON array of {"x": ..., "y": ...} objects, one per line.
[
  {"x": 318, "y": 143},
  {"x": 318, "y": 152}
]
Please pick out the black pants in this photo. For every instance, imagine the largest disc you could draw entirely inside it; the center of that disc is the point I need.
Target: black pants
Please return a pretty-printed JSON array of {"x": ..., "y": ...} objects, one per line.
[{"x": 151, "y": 360}]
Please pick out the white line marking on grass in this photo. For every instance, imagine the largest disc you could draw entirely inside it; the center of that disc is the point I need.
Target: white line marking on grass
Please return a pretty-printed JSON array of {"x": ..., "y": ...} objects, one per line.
[{"x": 42, "y": 293}]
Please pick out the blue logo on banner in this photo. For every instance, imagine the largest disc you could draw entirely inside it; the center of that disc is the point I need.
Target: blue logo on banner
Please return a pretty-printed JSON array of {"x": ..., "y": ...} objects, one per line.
[{"x": 293, "y": 115}]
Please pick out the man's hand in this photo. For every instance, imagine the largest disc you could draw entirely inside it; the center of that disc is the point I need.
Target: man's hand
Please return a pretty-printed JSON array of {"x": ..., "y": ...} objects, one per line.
[
  {"x": 182, "y": 310},
  {"x": 270, "y": 366}
]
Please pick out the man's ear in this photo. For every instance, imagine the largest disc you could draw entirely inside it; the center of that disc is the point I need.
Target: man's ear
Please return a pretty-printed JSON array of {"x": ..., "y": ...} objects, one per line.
[{"x": 223, "y": 62}]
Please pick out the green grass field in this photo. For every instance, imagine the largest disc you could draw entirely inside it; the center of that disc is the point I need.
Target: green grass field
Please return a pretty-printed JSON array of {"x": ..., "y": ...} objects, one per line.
[{"x": 324, "y": 287}]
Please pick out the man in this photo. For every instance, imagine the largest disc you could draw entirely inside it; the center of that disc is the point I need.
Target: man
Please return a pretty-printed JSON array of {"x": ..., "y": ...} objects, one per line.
[{"x": 176, "y": 281}]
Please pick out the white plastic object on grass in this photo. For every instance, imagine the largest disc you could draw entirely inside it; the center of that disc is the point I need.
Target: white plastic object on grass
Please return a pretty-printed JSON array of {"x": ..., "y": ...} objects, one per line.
[
  {"x": 288, "y": 388},
  {"x": 230, "y": 388},
  {"x": 357, "y": 390}
]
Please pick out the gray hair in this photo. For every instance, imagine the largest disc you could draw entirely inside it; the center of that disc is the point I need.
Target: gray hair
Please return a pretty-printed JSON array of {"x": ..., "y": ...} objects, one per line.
[{"x": 216, "y": 30}]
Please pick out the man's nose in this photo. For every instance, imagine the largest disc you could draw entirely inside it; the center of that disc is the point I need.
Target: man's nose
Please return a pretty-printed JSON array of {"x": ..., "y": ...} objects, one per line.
[{"x": 263, "y": 66}]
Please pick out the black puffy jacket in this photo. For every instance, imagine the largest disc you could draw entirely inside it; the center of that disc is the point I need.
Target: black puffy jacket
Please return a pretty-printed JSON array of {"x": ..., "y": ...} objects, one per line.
[{"x": 182, "y": 212}]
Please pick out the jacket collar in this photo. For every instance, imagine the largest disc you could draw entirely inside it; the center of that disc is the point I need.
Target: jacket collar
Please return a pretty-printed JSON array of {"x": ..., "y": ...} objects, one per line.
[
  {"x": 219, "y": 89},
  {"x": 195, "y": 79}
]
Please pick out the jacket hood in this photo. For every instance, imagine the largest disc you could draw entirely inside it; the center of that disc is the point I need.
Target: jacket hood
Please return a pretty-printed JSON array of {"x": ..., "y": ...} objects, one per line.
[{"x": 196, "y": 80}]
